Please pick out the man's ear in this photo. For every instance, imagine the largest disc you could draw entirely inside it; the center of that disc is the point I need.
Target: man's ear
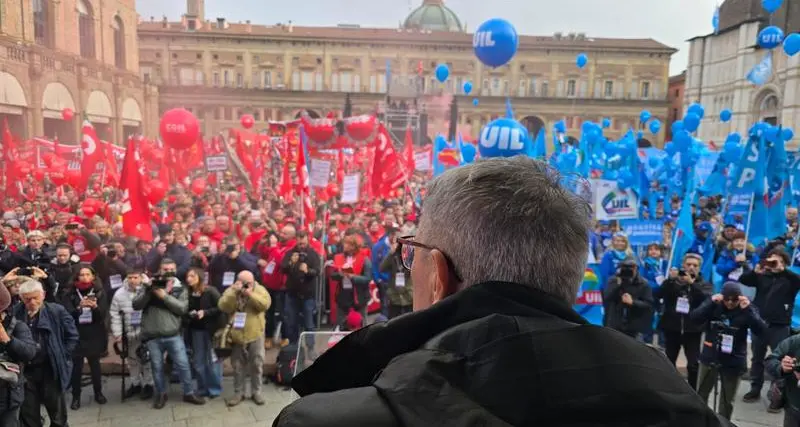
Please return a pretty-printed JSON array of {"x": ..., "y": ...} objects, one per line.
[{"x": 444, "y": 283}]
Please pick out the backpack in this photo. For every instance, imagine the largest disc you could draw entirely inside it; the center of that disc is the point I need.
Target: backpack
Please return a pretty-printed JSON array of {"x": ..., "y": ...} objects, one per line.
[{"x": 287, "y": 359}]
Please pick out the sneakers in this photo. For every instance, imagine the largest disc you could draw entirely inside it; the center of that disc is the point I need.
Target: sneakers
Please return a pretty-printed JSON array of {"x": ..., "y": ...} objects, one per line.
[
  {"x": 76, "y": 403},
  {"x": 233, "y": 401},
  {"x": 132, "y": 391},
  {"x": 775, "y": 406},
  {"x": 100, "y": 399},
  {"x": 752, "y": 396},
  {"x": 193, "y": 399},
  {"x": 147, "y": 392},
  {"x": 284, "y": 342},
  {"x": 259, "y": 399},
  {"x": 160, "y": 401}
]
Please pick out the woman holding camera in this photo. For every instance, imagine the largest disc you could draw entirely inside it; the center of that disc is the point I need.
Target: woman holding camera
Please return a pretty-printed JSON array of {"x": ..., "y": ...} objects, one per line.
[
  {"x": 87, "y": 303},
  {"x": 202, "y": 322}
]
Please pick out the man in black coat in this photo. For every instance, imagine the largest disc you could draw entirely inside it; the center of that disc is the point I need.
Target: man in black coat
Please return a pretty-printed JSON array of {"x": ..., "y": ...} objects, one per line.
[
  {"x": 776, "y": 289},
  {"x": 494, "y": 340},
  {"x": 629, "y": 300},
  {"x": 681, "y": 293},
  {"x": 16, "y": 346}
]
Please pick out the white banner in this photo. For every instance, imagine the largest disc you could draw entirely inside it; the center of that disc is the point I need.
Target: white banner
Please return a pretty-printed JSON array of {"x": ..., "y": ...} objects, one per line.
[
  {"x": 611, "y": 203},
  {"x": 320, "y": 173},
  {"x": 350, "y": 187},
  {"x": 218, "y": 163},
  {"x": 422, "y": 161}
]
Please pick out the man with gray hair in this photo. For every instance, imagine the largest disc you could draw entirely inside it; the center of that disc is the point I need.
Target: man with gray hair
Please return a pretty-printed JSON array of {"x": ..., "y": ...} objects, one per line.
[{"x": 497, "y": 262}]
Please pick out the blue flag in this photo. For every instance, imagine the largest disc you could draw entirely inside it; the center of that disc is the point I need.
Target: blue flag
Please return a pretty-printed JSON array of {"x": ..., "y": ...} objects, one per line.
[{"x": 762, "y": 71}]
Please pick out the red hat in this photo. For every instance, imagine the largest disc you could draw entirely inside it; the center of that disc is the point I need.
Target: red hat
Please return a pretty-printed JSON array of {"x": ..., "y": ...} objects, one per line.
[
  {"x": 353, "y": 320},
  {"x": 75, "y": 220},
  {"x": 346, "y": 210}
]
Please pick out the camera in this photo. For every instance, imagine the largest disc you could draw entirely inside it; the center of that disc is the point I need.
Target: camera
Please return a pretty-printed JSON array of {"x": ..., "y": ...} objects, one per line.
[
  {"x": 161, "y": 281},
  {"x": 71, "y": 226},
  {"x": 204, "y": 250},
  {"x": 229, "y": 249},
  {"x": 771, "y": 263},
  {"x": 796, "y": 366},
  {"x": 626, "y": 272},
  {"x": 111, "y": 253},
  {"x": 682, "y": 273},
  {"x": 302, "y": 256}
]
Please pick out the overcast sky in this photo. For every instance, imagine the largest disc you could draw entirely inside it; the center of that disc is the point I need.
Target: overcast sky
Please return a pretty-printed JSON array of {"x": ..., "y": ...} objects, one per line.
[{"x": 671, "y": 22}]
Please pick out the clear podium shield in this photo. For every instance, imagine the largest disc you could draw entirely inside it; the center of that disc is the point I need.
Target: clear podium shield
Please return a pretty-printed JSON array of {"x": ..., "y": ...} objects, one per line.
[{"x": 311, "y": 346}]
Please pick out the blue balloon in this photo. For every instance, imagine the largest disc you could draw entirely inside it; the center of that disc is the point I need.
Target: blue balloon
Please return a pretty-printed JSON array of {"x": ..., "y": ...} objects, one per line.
[
  {"x": 581, "y": 60},
  {"x": 653, "y": 162},
  {"x": 442, "y": 72},
  {"x": 697, "y": 109},
  {"x": 771, "y": 133},
  {"x": 682, "y": 141},
  {"x": 467, "y": 87},
  {"x": 791, "y": 44},
  {"x": 495, "y": 42},
  {"x": 758, "y": 129},
  {"x": 560, "y": 126},
  {"x": 771, "y": 5},
  {"x": 691, "y": 122},
  {"x": 735, "y": 137},
  {"x": 670, "y": 148},
  {"x": 725, "y": 115},
  {"x": 475, "y": 101},
  {"x": 503, "y": 137},
  {"x": 468, "y": 152},
  {"x": 677, "y": 126},
  {"x": 787, "y": 134},
  {"x": 770, "y": 37},
  {"x": 655, "y": 126},
  {"x": 644, "y": 116},
  {"x": 606, "y": 123}
]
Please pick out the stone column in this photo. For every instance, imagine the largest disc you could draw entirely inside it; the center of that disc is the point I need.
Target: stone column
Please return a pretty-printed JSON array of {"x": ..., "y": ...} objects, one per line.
[
  {"x": 248, "y": 69},
  {"x": 287, "y": 69}
]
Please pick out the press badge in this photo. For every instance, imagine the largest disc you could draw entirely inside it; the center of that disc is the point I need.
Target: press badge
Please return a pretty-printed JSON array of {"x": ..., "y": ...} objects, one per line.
[
  {"x": 238, "y": 320},
  {"x": 85, "y": 317},
  {"x": 228, "y": 278},
  {"x": 682, "y": 306},
  {"x": 270, "y": 267},
  {"x": 400, "y": 280},
  {"x": 136, "y": 318},
  {"x": 659, "y": 279},
  {"x": 347, "y": 283},
  {"x": 116, "y": 281},
  {"x": 736, "y": 274},
  {"x": 727, "y": 343}
]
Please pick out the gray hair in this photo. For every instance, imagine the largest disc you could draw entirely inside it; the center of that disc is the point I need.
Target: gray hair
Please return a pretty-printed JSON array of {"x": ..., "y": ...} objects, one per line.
[
  {"x": 29, "y": 285},
  {"x": 510, "y": 220}
]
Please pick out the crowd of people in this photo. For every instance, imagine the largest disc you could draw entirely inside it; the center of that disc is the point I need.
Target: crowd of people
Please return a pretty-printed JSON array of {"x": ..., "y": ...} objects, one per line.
[{"x": 225, "y": 277}]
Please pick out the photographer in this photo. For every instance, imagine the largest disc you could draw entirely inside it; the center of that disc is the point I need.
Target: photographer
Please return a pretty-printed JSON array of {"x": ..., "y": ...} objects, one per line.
[
  {"x": 729, "y": 315},
  {"x": 783, "y": 363},
  {"x": 110, "y": 267},
  {"x": 301, "y": 266},
  {"x": 229, "y": 262},
  {"x": 167, "y": 248},
  {"x": 64, "y": 268},
  {"x": 681, "y": 293},
  {"x": 776, "y": 289},
  {"x": 36, "y": 253},
  {"x": 401, "y": 290},
  {"x": 629, "y": 300},
  {"x": 163, "y": 302}
]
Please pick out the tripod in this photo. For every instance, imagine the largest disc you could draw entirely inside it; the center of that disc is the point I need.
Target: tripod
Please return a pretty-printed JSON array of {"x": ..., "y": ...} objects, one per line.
[{"x": 720, "y": 329}]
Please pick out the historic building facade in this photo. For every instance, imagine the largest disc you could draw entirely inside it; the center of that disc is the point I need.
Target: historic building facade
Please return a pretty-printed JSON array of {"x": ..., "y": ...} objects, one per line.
[
  {"x": 220, "y": 70},
  {"x": 677, "y": 86},
  {"x": 77, "y": 54},
  {"x": 719, "y": 65}
]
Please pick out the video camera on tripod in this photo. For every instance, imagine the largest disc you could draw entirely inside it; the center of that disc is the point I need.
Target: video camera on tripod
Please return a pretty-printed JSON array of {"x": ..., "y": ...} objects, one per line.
[{"x": 724, "y": 335}]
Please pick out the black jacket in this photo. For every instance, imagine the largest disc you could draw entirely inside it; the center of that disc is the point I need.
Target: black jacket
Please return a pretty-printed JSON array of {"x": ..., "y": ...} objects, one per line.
[
  {"x": 631, "y": 319},
  {"x": 21, "y": 349},
  {"x": 788, "y": 347},
  {"x": 669, "y": 292},
  {"x": 223, "y": 263},
  {"x": 775, "y": 294},
  {"x": 297, "y": 282},
  {"x": 93, "y": 336},
  {"x": 742, "y": 320},
  {"x": 106, "y": 268},
  {"x": 494, "y": 354}
]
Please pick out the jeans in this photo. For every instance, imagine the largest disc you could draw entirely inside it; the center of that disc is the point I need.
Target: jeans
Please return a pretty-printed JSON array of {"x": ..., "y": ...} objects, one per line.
[
  {"x": 690, "y": 341},
  {"x": 176, "y": 349},
  {"x": 77, "y": 372},
  {"x": 771, "y": 337},
  {"x": 140, "y": 373},
  {"x": 207, "y": 367},
  {"x": 275, "y": 314},
  {"x": 292, "y": 310},
  {"x": 707, "y": 378},
  {"x": 248, "y": 359}
]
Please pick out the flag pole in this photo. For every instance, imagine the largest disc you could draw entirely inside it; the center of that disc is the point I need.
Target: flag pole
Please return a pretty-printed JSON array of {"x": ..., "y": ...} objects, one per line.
[{"x": 749, "y": 218}]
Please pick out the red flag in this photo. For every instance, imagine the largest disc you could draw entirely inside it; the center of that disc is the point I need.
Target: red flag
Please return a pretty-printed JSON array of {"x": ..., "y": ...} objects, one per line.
[
  {"x": 305, "y": 187},
  {"x": 112, "y": 171},
  {"x": 135, "y": 209},
  {"x": 408, "y": 152},
  {"x": 388, "y": 172},
  {"x": 92, "y": 154}
]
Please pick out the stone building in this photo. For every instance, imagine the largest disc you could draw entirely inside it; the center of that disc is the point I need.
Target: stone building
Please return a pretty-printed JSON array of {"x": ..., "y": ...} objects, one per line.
[
  {"x": 77, "y": 54},
  {"x": 221, "y": 70},
  {"x": 719, "y": 64},
  {"x": 677, "y": 86}
]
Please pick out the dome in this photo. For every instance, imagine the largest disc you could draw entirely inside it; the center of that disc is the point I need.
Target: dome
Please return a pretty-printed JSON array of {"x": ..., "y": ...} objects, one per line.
[{"x": 435, "y": 16}]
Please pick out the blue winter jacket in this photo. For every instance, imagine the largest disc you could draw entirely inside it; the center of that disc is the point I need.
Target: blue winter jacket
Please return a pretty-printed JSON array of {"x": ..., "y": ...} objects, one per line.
[
  {"x": 58, "y": 327},
  {"x": 379, "y": 252}
]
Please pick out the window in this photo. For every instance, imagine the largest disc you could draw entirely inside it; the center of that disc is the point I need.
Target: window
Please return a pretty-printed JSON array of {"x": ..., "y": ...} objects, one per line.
[
  {"x": 267, "y": 79},
  {"x": 608, "y": 90},
  {"x": 677, "y": 93},
  {"x": 485, "y": 87},
  {"x": 146, "y": 72},
  {"x": 85, "y": 30},
  {"x": 187, "y": 77},
  {"x": 307, "y": 81},
  {"x": 215, "y": 79},
  {"x": 318, "y": 81},
  {"x": 296, "y": 80},
  {"x": 645, "y": 90},
  {"x": 119, "y": 42},
  {"x": 191, "y": 25},
  {"x": 459, "y": 89},
  {"x": 255, "y": 80},
  {"x": 505, "y": 88},
  {"x": 226, "y": 78},
  {"x": 495, "y": 86},
  {"x": 228, "y": 113},
  {"x": 357, "y": 83},
  {"x": 346, "y": 81},
  {"x": 373, "y": 83},
  {"x": 532, "y": 87},
  {"x": 571, "y": 88},
  {"x": 521, "y": 90},
  {"x": 545, "y": 88},
  {"x": 216, "y": 113},
  {"x": 41, "y": 23},
  {"x": 335, "y": 82},
  {"x": 239, "y": 80}
]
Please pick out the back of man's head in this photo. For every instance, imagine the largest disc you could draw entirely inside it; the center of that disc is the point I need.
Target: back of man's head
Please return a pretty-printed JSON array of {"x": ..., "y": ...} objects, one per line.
[{"x": 511, "y": 220}]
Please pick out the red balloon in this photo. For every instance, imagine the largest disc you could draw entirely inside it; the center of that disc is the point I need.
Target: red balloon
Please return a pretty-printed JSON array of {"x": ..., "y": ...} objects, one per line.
[
  {"x": 179, "y": 128},
  {"x": 157, "y": 191},
  {"x": 361, "y": 128},
  {"x": 88, "y": 210},
  {"x": 321, "y": 131},
  {"x": 67, "y": 114},
  {"x": 247, "y": 121},
  {"x": 57, "y": 176},
  {"x": 198, "y": 186}
]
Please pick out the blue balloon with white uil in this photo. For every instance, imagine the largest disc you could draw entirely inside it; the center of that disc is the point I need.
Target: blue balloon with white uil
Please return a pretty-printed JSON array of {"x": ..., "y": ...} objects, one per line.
[{"x": 503, "y": 137}]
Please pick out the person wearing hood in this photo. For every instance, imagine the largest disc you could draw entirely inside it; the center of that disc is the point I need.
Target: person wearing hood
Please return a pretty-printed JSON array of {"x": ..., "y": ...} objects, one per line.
[
  {"x": 122, "y": 310},
  {"x": 494, "y": 340},
  {"x": 64, "y": 269},
  {"x": 18, "y": 346},
  {"x": 87, "y": 302},
  {"x": 629, "y": 300},
  {"x": 168, "y": 248}
]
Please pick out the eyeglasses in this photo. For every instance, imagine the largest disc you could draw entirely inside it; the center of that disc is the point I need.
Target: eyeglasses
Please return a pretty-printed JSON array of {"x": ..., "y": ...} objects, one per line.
[{"x": 407, "y": 246}]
